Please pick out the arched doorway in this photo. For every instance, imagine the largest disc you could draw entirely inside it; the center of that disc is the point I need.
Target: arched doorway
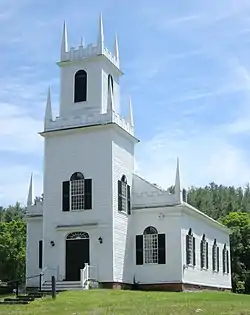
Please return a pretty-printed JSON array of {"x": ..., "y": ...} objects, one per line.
[{"x": 77, "y": 254}]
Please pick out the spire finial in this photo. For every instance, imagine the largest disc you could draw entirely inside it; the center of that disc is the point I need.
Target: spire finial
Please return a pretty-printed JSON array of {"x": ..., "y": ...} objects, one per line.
[
  {"x": 30, "y": 193},
  {"x": 48, "y": 110},
  {"x": 100, "y": 39},
  {"x": 64, "y": 44},
  {"x": 178, "y": 191},
  {"x": 110, "y": 105},
  {"x": 81, "y": 42},
  {"x": 116, "y": 49},
  {"x": 130, "y": 112}
]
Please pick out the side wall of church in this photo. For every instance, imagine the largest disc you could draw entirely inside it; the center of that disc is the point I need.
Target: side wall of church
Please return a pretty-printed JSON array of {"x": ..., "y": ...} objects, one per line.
[
  {"x": 33, "y": 235},
  {"x": 166, "y": 221},
  {"x": 197, "y": 275}
]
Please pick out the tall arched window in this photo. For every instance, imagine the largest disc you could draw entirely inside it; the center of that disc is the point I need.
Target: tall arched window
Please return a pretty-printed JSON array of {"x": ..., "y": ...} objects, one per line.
[
  {"x": 110, "y": 82},
  {"x": 80, "y": 86},
  {"x": 77, "y": 193},
  {"x": 215, "y": 257},
  {"x": 190, "y": 249},
  {"x": 150, "y": 245},
  {"x": 124, "y": 203},
  {"x": 204, "y": 253}
]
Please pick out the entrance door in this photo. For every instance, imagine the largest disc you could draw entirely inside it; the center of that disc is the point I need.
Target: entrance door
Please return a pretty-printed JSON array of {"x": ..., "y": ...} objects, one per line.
[{"x": 77, "y": 254}]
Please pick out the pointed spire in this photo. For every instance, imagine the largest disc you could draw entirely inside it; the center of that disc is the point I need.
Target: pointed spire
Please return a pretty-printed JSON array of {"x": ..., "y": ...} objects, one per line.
[
  {"x": 30, "y": 193},
  {"x": 100, "y": 39},
  {"x": 48, "y": 110},
  {"x": 64, "y": 45},
  {"x": 130, "y": 113},
  {"x": 81, "y": 42},
  {"x": 110, "y": 105},
  {"x": 178, "y": 191},
  {"x": 116, "y": 49}
]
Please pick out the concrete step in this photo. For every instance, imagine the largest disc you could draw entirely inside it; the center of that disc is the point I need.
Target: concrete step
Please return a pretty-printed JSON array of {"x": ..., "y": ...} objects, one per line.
[
  {"x": 62, "y": 285},
  {"x": 14, "y": 301}
]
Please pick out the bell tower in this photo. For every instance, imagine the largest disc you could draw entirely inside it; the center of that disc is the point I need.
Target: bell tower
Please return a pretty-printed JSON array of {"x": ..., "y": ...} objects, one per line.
[{"x": 87, "y": 74}]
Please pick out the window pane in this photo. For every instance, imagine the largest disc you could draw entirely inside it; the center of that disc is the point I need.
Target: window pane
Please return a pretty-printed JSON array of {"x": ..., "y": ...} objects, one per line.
[
  {"x": 77, "y": 194},
  {"x": 151, "y": 248}
]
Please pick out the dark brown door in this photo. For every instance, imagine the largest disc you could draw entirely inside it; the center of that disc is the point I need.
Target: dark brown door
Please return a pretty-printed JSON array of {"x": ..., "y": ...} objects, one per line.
[{"x": 77, "y": 254}]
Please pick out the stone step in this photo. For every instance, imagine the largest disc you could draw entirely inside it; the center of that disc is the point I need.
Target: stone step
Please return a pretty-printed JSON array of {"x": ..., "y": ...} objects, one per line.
[
  {"x": 36, "y": 295},
  {"x": 20, "y": 298},
  {"x": 19, "y": 302}
]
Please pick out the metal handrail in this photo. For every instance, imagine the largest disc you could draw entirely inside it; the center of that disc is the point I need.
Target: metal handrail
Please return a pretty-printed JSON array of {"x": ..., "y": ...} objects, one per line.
[{"x": 17, "y": 281}]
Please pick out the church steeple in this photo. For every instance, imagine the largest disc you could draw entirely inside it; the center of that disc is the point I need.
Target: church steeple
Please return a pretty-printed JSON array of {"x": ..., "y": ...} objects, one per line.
[{"x": 64, "y": 43}]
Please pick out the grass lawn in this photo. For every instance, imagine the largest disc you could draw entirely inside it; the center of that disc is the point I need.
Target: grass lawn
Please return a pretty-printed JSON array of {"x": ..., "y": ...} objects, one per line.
[{"x": 99, "y": 302}]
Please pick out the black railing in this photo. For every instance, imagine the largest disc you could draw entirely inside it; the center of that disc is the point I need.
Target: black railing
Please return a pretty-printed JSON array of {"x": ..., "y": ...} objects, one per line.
[{"x": 17, "y": 282}]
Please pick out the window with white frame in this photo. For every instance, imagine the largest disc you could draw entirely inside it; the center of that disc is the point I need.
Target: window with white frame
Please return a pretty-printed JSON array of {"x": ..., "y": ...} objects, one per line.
[
  {"x": 77, "y": 191},
  {"x": 150, "y": 236},
  {"x": 204, "y": 253},
  {"x": 124, "y": 202},
  {"x": 190, "y": 249},
  {"x": 216, "y": 257}
]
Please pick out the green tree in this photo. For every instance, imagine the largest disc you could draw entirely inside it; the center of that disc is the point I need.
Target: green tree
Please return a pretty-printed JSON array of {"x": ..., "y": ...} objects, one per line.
[{"x": 12, "y": 249}]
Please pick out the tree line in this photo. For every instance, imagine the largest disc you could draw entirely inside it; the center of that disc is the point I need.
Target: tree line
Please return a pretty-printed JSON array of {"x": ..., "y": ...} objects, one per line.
[{"x": 228, "y": 204}]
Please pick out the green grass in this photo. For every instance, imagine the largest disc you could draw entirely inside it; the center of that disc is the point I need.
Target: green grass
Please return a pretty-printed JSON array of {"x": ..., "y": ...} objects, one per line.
[{"x": 99, "y": 302}]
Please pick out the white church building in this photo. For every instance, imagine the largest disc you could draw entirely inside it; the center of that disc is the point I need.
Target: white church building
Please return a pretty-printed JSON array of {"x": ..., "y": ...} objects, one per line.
[{"x": 97, "y": 220}]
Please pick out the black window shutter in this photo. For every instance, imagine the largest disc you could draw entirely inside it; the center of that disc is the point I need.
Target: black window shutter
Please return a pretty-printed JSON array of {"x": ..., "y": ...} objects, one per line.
[
  {"x": 201, "y": 254},
  {"x": 88, "y": 194},
  {"x": 207, "y": 255},
  {"x": 119, "y": 195},
  {"x": 227, "y": 261},
  {"x": 218, "y": 259},
  {"x": 139, "y": 249},
  {"x": 161, "y": 249},
  {"x": 187, "y": 250},
  {"x": 224, "y": 262},
  {"x": 214, "y": 257},
  {"x": 40, "y": 254},
  {"x": 65, "y": 196},
  {"x": 194, "y": 260},
  {"x": 128, "y": 200}
]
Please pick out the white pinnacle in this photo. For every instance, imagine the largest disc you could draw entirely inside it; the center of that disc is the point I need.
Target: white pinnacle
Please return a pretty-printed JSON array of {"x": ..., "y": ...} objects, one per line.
[
  {"x": 30, "y": 193},
  {"x": 64, "y": 44},
  {"x": 100, "y": 39}
]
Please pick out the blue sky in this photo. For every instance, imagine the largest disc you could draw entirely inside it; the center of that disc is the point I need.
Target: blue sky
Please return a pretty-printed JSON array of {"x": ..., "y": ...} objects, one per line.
[{"x": 187, "y": 69}]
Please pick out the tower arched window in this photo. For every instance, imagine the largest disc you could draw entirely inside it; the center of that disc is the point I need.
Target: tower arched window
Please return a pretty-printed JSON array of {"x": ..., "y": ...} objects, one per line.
[
  {"x": 204, "y": 252},
  {"x": 124, "y": 203},
  {"x": 150, "y": 247},
  {"x": 110, "y": 82},
  {"x": 77, "y": 193},
  {"x": 190, "y": 249},
  {"x": 80, "y": 93},
  {"x": 216, "y": 257}
]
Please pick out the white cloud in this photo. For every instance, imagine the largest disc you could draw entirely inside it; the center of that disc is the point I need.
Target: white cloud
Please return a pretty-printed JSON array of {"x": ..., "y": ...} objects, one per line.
[
  {"x": 204, "y": 157},
  {"x": 15, "y": 183}
]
